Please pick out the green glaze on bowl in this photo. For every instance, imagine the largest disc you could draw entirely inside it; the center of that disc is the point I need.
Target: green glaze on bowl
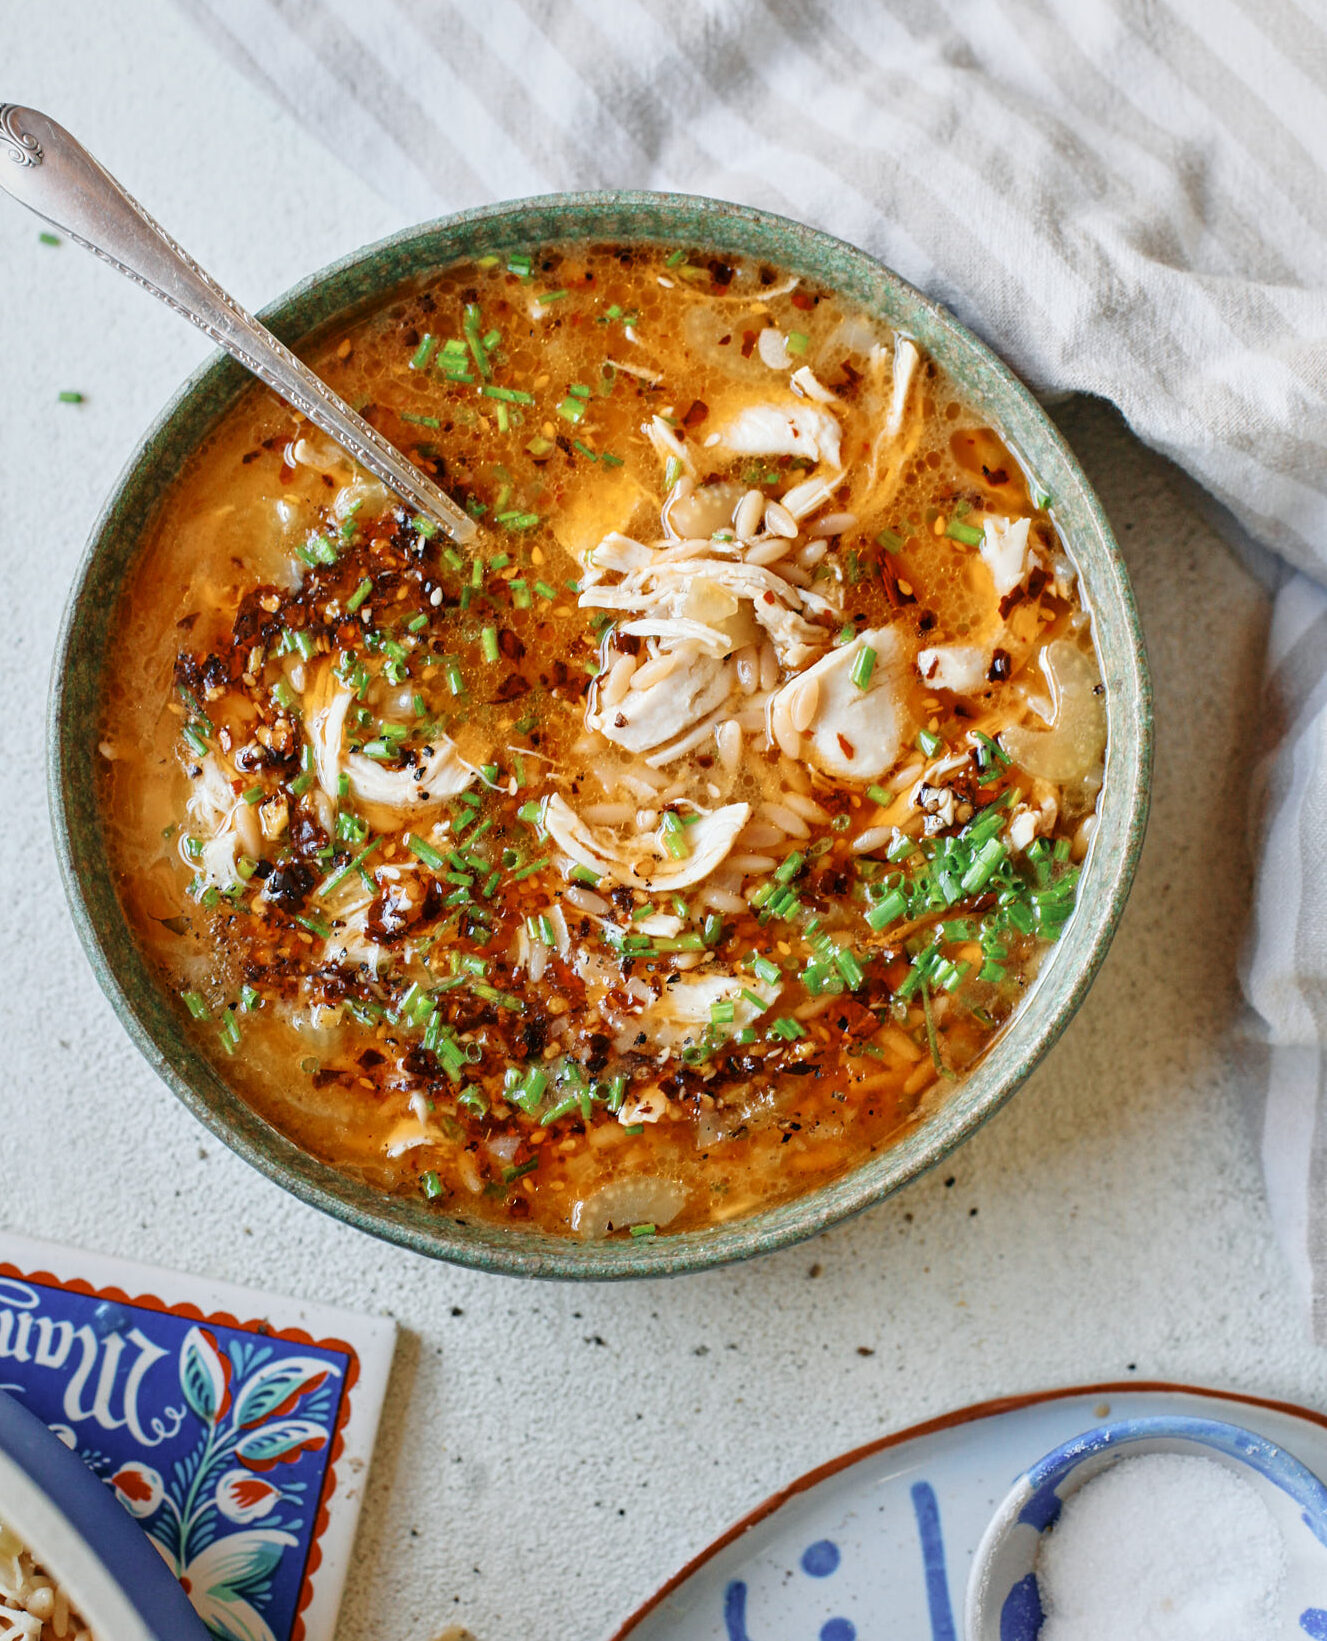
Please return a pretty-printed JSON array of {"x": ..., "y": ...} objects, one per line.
[{"x": 153, "y": 1016}]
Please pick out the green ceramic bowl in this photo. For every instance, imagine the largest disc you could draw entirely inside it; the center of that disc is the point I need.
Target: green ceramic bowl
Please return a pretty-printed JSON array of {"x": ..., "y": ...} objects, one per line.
[{"x": 153, "y": 1017}]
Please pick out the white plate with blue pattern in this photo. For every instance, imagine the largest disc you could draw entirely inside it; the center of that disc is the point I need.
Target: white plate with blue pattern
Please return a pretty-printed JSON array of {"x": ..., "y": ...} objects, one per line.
[{"x": 878, "y": 1543}]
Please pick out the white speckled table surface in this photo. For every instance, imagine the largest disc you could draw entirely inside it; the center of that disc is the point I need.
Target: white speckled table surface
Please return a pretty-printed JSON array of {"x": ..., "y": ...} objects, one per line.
[{"x": 549, "y": 1453}]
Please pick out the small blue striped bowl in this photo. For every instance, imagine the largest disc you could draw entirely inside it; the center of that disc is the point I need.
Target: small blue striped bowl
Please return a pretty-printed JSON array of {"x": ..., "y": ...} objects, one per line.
[{"x": 1003, "y": 1598}]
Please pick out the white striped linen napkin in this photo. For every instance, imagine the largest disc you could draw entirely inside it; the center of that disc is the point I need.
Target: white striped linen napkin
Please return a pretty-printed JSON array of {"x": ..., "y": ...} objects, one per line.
[{"x": 1126, "y": 197}]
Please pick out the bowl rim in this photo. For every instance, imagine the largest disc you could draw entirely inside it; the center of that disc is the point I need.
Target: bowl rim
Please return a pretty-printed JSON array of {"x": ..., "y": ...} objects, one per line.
[
  {"x": 72, "y": 1523},
  {"x": 605, "y": 217},
  {"x": 1034, "y": 1500}
]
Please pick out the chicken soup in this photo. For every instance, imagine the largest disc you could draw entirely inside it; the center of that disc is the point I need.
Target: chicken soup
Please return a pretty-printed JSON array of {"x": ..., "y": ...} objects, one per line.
[{"x": 666, "y": 852}]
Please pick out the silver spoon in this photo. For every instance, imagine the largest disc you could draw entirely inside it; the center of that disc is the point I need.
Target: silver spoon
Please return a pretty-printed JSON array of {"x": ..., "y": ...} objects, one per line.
[{"x": 44, "y": 168}]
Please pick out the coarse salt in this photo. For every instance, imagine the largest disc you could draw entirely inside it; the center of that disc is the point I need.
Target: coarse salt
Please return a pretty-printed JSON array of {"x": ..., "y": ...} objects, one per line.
[{"x": 1163, "y": 1547}]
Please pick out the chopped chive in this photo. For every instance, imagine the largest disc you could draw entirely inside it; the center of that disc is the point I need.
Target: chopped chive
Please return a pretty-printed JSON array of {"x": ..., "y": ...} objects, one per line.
[
  {"x": 527, "y": 871},
  {"x": 193, "y": 1001},
  {"x": 767, "y": 970},
  {"x": 676, "y": 259},
  {"x": 424, "y": 352},
  {"x": 425, "y": 852},
  {"x": 968, "y": 534},
  {"x": 583, "y": 874},
  {"x": 878, "y": 794},
  {"x": 519, "y": 264},
  {"x": 314, "y": 926},
  {"x": 49, "y": 239},
  {"x": 358, "y": 596},
  {"x": 488, "y": 640},
  {"x": 790, "y": 867},
  {"x": 571, "y": 409},
  {"x": 229, "y": 1031},
  {"x": 931, "y": 1042},
  {"x": 993, "y": 748},
  {"x": 675, "y": 841},
  {"x": 550, "y": 296},
  {"x": 68, "y": 397},
  {"x": 889, "y": 541},
  {"x": 329, "y": 884},
  {"x": 786, "y": 1028},
  {"x": 863, "y": 666},
  {"x": 420, "y": 421},
  {"x": 798, "y": 341},
  {"x": 470, "y": 325},
  {"x": 642, "y": 1230},
  {"x": 544, "y": 590},
  {"x": 253, "y": 795},
  {"x": 430, "y": 1185},
  {"x": 512, "y": 395},
  {"x": 888, "y": 910}
]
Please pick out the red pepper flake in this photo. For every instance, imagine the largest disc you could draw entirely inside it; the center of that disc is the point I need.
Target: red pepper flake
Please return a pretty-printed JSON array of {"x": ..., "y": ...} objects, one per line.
[
  {"x": 804, "y": 301},
  {"x": 749, "y": 339},
  {"x": 893, "y": 587},
  {"x": 845, "y": 746},
  {"x": 696, "y": 414}
]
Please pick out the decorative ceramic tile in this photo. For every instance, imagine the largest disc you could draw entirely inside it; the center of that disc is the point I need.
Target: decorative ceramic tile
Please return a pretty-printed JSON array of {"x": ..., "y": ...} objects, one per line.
[
  {"x": 879, "y": 1542},
  {"x": 236, "y": 1426}
]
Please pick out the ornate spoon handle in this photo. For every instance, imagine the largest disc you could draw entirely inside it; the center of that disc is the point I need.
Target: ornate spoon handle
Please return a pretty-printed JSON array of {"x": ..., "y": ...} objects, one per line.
[{"x": 44, "y": 168}]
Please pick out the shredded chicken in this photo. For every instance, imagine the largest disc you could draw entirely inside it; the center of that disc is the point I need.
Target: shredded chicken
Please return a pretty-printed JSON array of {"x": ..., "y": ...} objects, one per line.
[
  {"x": 643, "y": 859},
  {"x": 425, "y": 786},
  {"x": 682, "y": 1013},
  {"x": 960, "y": 667},
  {"x": 850, "y": 732},
  {"x": 1004, "y": 551},
  {"x": 647, "y": 718},
  {"x": 792, "y": 428},
  {"x": 892, "y": 447}
]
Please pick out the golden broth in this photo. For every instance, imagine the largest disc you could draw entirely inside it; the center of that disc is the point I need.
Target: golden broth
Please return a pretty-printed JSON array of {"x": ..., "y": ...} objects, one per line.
[{"x": 660, "y": 858}]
